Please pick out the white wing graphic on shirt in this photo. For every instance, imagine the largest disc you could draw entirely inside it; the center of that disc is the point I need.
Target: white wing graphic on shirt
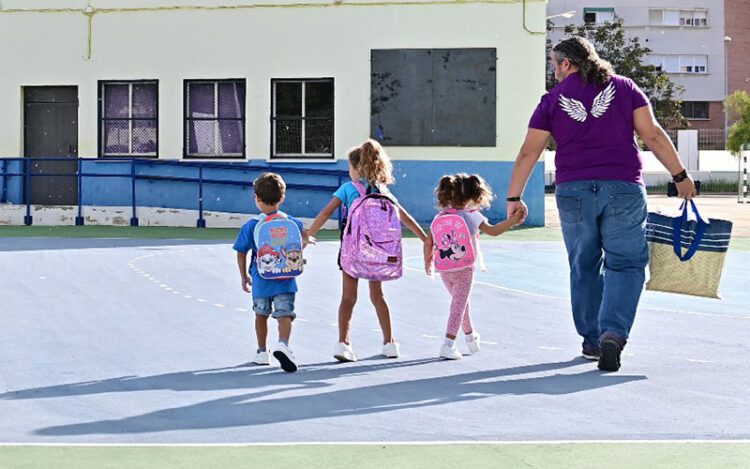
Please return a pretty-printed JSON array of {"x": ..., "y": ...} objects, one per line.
[
  {"x": 573, "y": 108},
  {"x": 603, "y": 100}
]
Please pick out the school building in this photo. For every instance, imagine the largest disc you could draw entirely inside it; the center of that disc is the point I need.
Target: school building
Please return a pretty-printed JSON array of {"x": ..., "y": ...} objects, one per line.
[{"x": 142, "y": 98}]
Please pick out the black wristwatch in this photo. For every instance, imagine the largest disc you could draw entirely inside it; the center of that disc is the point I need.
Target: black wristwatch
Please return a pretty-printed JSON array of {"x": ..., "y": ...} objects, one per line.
[
  {"x": 681, "y": 176},
  {"x": 513, "y": 199}
]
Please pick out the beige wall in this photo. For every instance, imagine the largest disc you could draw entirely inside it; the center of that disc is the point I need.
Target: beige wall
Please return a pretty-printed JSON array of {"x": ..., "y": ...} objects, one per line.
[{"x": 260, "y": 44}]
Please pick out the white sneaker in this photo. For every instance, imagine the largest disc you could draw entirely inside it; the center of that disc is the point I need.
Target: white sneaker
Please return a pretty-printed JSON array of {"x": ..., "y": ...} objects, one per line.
[
  {"x": 261, "y": 358},
  {"x": 344, "y": 353},
  {"x": 391, "y": 350},
  {"x": 285, "y": 357},
  {"x": 474, "y": 342},
  {"x": 450, "y": 353}
]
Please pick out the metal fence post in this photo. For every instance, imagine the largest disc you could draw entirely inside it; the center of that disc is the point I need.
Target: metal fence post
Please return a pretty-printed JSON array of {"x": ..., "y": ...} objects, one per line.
[
  {"x": 4, "y": 198},
  {"x": 79, "y": 218},
  {"x": 27, "y": 220},
  {"x": 134, "y": 218},
  {"x": 201, "y": 222}
]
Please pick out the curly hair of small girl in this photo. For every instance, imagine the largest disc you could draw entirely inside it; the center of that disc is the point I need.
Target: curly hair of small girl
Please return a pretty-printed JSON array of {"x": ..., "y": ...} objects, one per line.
[
  {"x": 372, "y": 163},
  {"x": 460, "y": 190}
]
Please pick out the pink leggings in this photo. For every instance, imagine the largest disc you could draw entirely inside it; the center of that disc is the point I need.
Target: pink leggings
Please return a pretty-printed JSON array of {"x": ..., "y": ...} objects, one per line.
[{"x": 459, "y": 286}]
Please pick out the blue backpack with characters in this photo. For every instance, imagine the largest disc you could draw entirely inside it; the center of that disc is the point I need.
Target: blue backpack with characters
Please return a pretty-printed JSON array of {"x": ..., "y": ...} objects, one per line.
[{"x": 278, "y": 243}]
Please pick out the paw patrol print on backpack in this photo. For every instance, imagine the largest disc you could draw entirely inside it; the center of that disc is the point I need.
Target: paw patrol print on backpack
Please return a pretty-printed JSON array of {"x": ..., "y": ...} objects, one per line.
[
  {"x": 279, "y": 243},
  {"x": 292, "y": 253}
]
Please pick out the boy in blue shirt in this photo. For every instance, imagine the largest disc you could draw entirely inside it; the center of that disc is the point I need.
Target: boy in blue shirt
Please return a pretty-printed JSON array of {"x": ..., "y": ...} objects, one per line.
[{"x": 270, "y": 297}]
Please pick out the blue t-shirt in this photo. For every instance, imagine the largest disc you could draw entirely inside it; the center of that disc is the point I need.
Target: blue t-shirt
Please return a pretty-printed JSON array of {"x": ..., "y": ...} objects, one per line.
[
  {"x": 262, "y": 288},
  {"x": 347, "y": 193}
]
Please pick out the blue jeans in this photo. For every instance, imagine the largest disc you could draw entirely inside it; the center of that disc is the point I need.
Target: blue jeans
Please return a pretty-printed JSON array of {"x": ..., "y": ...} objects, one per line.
[
  {"x": 603, "y": 225},
  {"x": 281, "y": 305}
]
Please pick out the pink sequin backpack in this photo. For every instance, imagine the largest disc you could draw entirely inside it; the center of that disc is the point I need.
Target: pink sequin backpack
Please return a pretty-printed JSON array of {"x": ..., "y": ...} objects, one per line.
[{"x": 371, "y": 244}]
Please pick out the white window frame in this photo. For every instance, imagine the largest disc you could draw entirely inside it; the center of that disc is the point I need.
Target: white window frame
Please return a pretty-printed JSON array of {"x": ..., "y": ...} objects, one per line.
[
  {"x": 683, "y": 17},
  {"x": 130, "y": 152},
  {"x": 275, "y": 155},
  {"x": 688, "y": 18},
  {"x": 682, "y": 61}
]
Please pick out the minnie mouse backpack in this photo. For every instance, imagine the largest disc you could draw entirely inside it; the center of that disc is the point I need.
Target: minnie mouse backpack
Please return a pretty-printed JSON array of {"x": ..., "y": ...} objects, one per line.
[{"x": 454, "y": 249}]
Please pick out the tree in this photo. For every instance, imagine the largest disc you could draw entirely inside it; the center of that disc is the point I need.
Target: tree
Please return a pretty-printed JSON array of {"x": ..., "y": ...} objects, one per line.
[
  {"x": 627, "y": 58},
  {"x": 739, "y": 133}
]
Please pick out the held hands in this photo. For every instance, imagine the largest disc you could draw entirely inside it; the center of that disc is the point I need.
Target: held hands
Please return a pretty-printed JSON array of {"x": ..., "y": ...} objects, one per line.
[
  {"x": 247, "y": 284},
  {"x": 308, "y": 240},
  {"x": 517, "y": 211}
]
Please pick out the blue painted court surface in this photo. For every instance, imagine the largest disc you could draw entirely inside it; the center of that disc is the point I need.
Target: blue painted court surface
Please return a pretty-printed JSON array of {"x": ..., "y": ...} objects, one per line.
[{"x": 138, "y": 341}]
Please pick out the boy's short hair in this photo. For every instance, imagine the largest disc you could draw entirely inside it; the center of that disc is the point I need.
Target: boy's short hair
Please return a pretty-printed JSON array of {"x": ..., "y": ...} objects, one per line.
[{"x": 270, "y": 188}]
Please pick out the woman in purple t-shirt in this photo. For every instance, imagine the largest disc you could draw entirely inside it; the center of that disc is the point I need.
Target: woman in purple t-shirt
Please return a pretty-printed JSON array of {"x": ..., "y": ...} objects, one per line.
[{"x": 593, "y": 115}]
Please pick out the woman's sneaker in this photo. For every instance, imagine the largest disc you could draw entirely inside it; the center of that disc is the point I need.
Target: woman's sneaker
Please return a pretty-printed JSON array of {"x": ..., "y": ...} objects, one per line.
[
  {"x": 391, "y": 350},
  {"x": 344, "y": 353},
  {"x": 285, "y": 357},
  {"x": 591, "y": 352},
  {"x": 261, "y": 358},
  {"x": 610, "y": 358},
  {"x": 473, "y": 342},
  {"x": 450, "y": 353}
]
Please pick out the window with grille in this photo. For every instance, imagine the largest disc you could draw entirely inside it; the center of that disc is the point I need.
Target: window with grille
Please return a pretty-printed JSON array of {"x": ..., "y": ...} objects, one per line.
[
  {"x": 129, "y": 118},
  {"x": 214, "y": 118},
  {"x": 302, "y": 118},
  {"x": 695, "y": 109}
]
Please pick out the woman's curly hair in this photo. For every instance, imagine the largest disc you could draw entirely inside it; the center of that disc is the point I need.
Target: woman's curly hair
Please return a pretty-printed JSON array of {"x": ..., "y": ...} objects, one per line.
[{"x": 581, "y": 53}]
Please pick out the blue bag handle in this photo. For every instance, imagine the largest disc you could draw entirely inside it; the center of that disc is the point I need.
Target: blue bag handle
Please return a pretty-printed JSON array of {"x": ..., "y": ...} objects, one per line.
[{"x": 677, "y": 224}]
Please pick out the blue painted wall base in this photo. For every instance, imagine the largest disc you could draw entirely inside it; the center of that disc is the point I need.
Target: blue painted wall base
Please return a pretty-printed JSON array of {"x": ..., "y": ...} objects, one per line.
[{"x": 307, "y": 194}]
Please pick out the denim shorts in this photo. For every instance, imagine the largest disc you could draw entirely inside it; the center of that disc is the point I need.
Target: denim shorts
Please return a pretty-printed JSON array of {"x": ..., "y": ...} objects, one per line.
[{"x": 282, "y": 305}]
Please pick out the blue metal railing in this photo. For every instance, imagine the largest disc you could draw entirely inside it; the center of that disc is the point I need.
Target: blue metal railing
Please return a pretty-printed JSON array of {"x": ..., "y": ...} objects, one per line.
[{"x": 134, "y": 175}]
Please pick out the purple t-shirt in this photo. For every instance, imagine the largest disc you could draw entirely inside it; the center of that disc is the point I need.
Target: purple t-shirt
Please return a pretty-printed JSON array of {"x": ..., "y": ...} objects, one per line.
[{"x": 593, "y": 128}]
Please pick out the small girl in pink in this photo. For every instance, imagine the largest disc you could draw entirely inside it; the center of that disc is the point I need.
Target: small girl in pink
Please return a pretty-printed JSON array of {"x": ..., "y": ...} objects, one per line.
[{"x": 467, "y": 194}]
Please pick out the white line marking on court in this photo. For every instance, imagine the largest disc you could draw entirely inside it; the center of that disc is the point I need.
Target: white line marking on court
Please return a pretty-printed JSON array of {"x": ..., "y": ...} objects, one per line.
[
  {"x": 200, "y": 300},
  {"x": 187, "y": 297},
  {"x": 42, "y": 278},
  {"x": 390, "y": 443},
  {"x": 374, "y": 330},
  {"x": 301, "y": 319},
  {"x": 550, "y": 348},
  {"x": 427, "y": 336},
  {"x": 487, "y": 342},
  {"x": 242, "y": 310},
  {"x": 695, "y": 360},
  {"x": 333, "y": 324},
  {"x": 218, "y": 305},
  {"x": 559, "y": 298}
]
